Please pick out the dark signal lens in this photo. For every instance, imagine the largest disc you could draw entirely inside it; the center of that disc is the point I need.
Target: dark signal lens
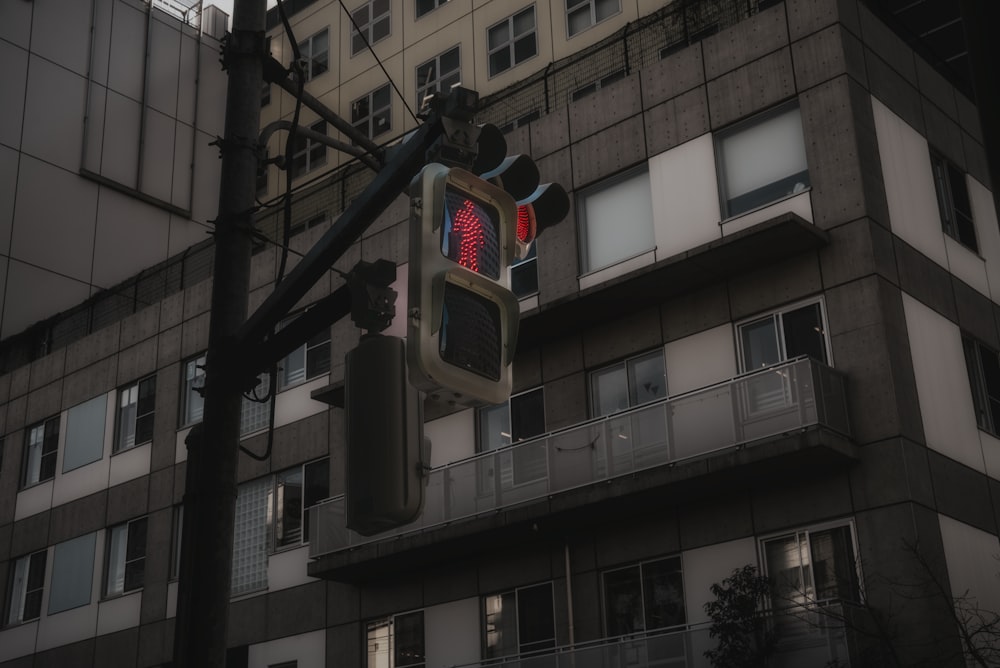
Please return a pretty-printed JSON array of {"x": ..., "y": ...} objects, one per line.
[
  {"x": 470, "y": 335},
  {"x": 471, "y": 233}
]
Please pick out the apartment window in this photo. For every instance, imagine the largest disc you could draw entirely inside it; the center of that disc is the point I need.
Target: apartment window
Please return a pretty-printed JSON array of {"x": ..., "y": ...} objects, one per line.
[
  {"x": 761, "y": 161},
  {"x": 581, "y": 14},
  {"x": 984, "y": 379},
  {"x": 256, "y": 415},
  {"x": 519, "y": 622},
  {"x": 783, "y": 335},
  {"x": 315, "y": 53},
  {"x": 439, "y": 73},
  {"x": 520, "y": 418},
  {"x": 26, "y": 586},
  {"x": 372, "y": 21},
  {"x": 126, "y": 560},
  {"x": 295, "y": 492},
  {"x": 249, "y": 572},
  {"x": 136, "y": 404},
  {"x": 626, "y": 384},
  {"x": 396, "y": 641},
  {"x": 84, "y": 440},
  {"x": 812, "y": 565},
  {"x": 643, "y": 597},
  {"x": 307, "y": 153},
  {"x": 40, "y": 445},
  {"x": 192, "y": 401},
  {"x": 617, "y": 221},
  {"x": 371, "y": 115},
  {"x": 308, "y": 361},
  {"x": 512, "y": 41},
  {"x": 953, "y": 202},
  {"x": 425, "y": 6},
  {"x": 72, "y": 573}
]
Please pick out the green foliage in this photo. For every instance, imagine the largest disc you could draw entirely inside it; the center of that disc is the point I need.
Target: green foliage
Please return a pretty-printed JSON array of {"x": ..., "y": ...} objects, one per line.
[{"x": 738, "y": 622}]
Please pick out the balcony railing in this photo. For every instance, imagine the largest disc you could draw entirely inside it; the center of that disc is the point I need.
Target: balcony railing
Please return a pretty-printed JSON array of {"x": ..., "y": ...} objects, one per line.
[
  {"x": 806, "y": 638},
  {"x": 766, "y": 403}
]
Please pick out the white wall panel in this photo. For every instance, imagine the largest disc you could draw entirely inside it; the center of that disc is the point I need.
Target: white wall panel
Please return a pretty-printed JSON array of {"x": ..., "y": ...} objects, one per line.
[
  {"x": 971, "y": 555},
  {"x": 128, "y": 44},
  {"x": 165, "y": 52},
  {"x": 211, "y": 78},
  {"x": 295, "y": 403},
  {"x": 685, "y": 197},
  {"x": 288, "y": 569},
  {"x": 158, "y": 155},
  {"x": 67, "y": 627},
  {"x": 943, "y": 389},
  {"x": 33, "y": 500},
  {"x": 451, "y": 633},
  {"x": 13, "y": 82},
  {"x": 8, "y": 187},
  {"x": 16, "y": 24},
  {"x": 60, "y": 32},
  {"x": 130, "y": 237},
  {"x": 909, "y": 184},
  {"x": 967, "y": 265},
  {"x": 118, "y": 614},
  {"x": 93, "y": 152},
  {"x": 101, "y": 47},
  {"x": 700, "y": 360},
  {"x": 19, "y": 640},
  {"x": 120, "y": 160},
  {"x": 53, "y": 105},
  {"x": 452, "y": 437},
  {"x": 180, "y": 191},
  {"x": 991, "y": 454},
  {"x": 800, "y": 205},
  {"x": 180, "y": 447},
  {"x": 205, "y": 203},
  {"x": 615, "y": 270},
  {"x": 984, "y": 213},
  {"x": 129, "y": 464},
  {"x": 40, "y": 293},
  {"x": 186, "y": 85},
  {"x": 185, "y": 233},
  {"x": 308, "y": 649},
  {"x": 706, "y": 566},
  {"x": 43, "y": 235}
]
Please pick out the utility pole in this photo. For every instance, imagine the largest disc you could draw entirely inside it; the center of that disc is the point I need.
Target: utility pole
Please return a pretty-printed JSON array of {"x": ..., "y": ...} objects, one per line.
[{"x": 210, "y": 487}]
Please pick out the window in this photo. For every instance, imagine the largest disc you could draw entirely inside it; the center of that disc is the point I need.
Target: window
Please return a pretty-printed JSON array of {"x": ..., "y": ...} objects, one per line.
[
  {"x": 192, "y": 402},
  {"x": 512, "y": 41},
  {"x": 521, "y": 417},
  {"x": 617, "y": 221},
  {"x": 425, "y": 6},
  {"x": 984, "y": 378},
  {"x": 372, "y": 19},
  {"x": 250, "y": 536},
  {"x": 295, "y": 492},
  {"x": 26, "y": 585},
  {"x": 72, "y": 573},
  {"x": 761, "y": 160},
  {"x": 315, "y": 54},
  {"x": 126, "y": 560},
  {"x": 519, "y": 622},
  {"x": 396, "y": 641},
  {"x": 584, "y": 91},
  {"x": 784, "y": 335},
  {"x": 953, "y": 202},
  {"x": 438, "y": 74},
  {"x": 371, "y": 115},
  {"x": 643, "y": 597},
  {"x": 84, "y": 439},
  {"x": 811, "y": 566},
  {"x": 40, "y": 445},
  {"x": 310, "y": 360},
  {"x": 136, "y": 403},
  {"x": 581, "y": 14},
  {"x": 309, "y": 154},
  {"x": 630, "y": 383}
]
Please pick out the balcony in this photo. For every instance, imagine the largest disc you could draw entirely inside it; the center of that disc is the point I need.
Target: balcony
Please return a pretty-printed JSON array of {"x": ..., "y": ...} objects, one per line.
[
  {"x": 808, "y": 637},
  {"x": 788, "y": 417}
]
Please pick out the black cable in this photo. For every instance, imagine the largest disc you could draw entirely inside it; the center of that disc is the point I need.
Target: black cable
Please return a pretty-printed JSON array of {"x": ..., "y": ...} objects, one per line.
[{"x": 379, "y": 61}]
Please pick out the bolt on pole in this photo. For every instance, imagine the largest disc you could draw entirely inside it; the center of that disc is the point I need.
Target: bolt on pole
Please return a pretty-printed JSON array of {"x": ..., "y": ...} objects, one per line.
[{"x": 211, "y": 484}]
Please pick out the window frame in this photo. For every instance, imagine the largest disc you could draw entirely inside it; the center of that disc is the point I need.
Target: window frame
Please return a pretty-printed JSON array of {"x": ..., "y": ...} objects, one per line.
[
  {"x": 312, "y": 57},
  {"x": 584, "y": 220},
  {"x": 300, "y": 536},
  {"x": 777, "y": 314},
  {"x": 389, "y": 623},
  {"x": 509, "y": 45},
  {"x": 191, "y": 398},
  {"x": 418, "y": 13},
  {"x": 744, "y": 126},
  {"x": 316, "y": 343},
  {"x": 134, "y": 419},
  {"x": 130, "y": 529},
  {"x": 592, "y": 6},
  {"x": 368, "y": 119},
  {"x": 367, "y": 28},
  {"x": 37, "y": 559},
  {"x": 305, "y": 148},
  {"x": 496, "y": 655},
  {"x": 627, "y": 367},
  {"x": 949, "y": 182},
  {"x": 48, "y": 448},
  {"x": 426, "y": 88},
  {"x": 642, "y": 595},
  {"x": 985, "y": 401}
]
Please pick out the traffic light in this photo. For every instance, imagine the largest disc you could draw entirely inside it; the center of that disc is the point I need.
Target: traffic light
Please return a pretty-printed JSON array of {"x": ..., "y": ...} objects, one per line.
[
  {"x": 386, "y": 452},
  {"x": 463, "y": 318}
]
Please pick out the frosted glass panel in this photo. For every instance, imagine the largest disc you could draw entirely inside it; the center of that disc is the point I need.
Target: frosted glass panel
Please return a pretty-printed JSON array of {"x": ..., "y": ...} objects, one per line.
[
  {"x": 72, "y": 573},
  {"x": 618, "y": 222},
  {"x": 85, "y": 433}
]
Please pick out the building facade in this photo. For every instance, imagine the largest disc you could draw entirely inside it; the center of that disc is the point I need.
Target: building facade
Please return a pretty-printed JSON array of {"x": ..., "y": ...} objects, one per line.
[{"x": 765, "y": 335}]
